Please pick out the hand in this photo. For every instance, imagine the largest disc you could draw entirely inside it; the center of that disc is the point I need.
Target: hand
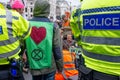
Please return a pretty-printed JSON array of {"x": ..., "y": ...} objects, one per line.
[{"x": 24, "y": 57}]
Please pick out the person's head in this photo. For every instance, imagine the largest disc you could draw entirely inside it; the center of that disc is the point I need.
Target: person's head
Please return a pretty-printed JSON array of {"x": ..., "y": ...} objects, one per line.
[
  {"x": 58, "y": 17},
  {"x": 18, "y": 6},
  {"x": 69, "y": 37},
  {"x": 51, "y": 18},
  {"x": 64, "y": 17},
  {"x": 41, "y": 8},
  {"x": 8, "y": 6}
]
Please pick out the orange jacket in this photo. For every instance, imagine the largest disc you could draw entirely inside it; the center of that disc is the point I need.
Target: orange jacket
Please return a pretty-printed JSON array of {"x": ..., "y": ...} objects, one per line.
[
  {"x": 69, "y": 66},
  {"x": 66, "y": 24}
]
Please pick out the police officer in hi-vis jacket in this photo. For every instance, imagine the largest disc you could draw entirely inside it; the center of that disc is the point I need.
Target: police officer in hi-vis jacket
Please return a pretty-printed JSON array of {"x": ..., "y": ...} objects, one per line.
[
  {"x": 13, "y": 27},
  {"x": 100, "y": 38}
]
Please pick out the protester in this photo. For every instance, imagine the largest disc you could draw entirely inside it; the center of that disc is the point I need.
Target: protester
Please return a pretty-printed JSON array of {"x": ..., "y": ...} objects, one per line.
[
  {"x": 59, "y": 21},
  {"x": 69, "y": 71},
  {"x": 69, "y": 42},
  {"x": 44, "y": 44},
  {"x": 51, "y": 19},
  {"x": 65, "y": 21}
]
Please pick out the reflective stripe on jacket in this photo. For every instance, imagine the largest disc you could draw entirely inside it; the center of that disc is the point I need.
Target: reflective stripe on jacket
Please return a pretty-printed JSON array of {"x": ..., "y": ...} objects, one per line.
[
  {"x": 69, "y": 65},
  {"x": 12, "y": 28},
  {"x": 101, "y": 35}
]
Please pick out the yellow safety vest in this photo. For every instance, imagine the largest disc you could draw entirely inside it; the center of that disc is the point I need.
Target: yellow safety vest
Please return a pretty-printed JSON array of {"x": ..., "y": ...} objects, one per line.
[
  {"x": 12, "y": 28},
  {"x": 74, "y": 24},
  {"x": 101, "y": 35}
]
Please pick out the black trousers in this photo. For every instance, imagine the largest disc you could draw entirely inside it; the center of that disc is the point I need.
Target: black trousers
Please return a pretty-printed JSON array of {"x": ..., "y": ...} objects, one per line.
[
  {"x": 95, "y": 75},
  {"x": 5, "y": 73},
  {"x": 102, "y": 76}
]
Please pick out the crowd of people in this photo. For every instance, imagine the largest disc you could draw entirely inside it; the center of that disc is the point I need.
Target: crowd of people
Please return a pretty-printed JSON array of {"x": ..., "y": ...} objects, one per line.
[
  {"x": 45, "y": 49},
  {"x": 83, "y": 46}
]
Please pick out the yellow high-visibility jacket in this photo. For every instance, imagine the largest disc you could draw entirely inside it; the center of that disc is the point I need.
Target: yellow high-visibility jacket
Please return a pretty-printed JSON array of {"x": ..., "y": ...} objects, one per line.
[
  {"x": 13, "y": 27},
  {"x": 75, "y": 24},
  {"x": 100, "y": 37}
]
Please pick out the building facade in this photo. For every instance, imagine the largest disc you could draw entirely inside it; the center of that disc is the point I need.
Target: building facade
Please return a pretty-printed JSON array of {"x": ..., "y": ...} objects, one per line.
[
  {"x": 52, "y": 9},
  {"x": 57, "y": 8},
  {"x": 62, "y": 7},
  {"x": 29, "y": 8}
]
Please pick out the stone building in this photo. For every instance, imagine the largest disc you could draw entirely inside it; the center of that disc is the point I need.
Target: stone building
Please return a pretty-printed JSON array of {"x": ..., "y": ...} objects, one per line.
[
  {"x": 52, "y": 9},
  {"x": 30, "y": 5},
  {"x": 57, "y": 8},
  {"x": 29, "y": 8},
  {"x": 62, "y": 7}
]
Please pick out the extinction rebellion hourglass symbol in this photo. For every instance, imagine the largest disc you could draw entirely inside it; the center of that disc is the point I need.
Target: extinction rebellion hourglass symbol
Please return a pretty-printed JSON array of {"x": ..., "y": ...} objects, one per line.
[{"x": 37, "y": 54}]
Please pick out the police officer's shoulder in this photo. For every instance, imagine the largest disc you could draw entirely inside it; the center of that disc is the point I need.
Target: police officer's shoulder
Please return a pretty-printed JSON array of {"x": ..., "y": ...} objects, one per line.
[
  {"x": 15, "y": 14},
  {"x": 76, "y": 12}
]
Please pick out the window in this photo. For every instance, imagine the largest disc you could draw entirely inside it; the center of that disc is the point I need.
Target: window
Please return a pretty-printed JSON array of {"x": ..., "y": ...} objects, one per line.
[
  {"x": 25, "y": 9},
  {"x": 31, "y": 3},
  {"x": 31, "y": 9},
  {"x": 31, "y": 15}
]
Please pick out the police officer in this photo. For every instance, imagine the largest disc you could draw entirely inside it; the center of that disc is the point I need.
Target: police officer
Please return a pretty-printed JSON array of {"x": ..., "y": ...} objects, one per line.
[
  {"x": 100, "y": 38},
  {"x": 76, "y": 30},
  {"x": 74, "y": 23},
  {"x": 12, "y": 28}
]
